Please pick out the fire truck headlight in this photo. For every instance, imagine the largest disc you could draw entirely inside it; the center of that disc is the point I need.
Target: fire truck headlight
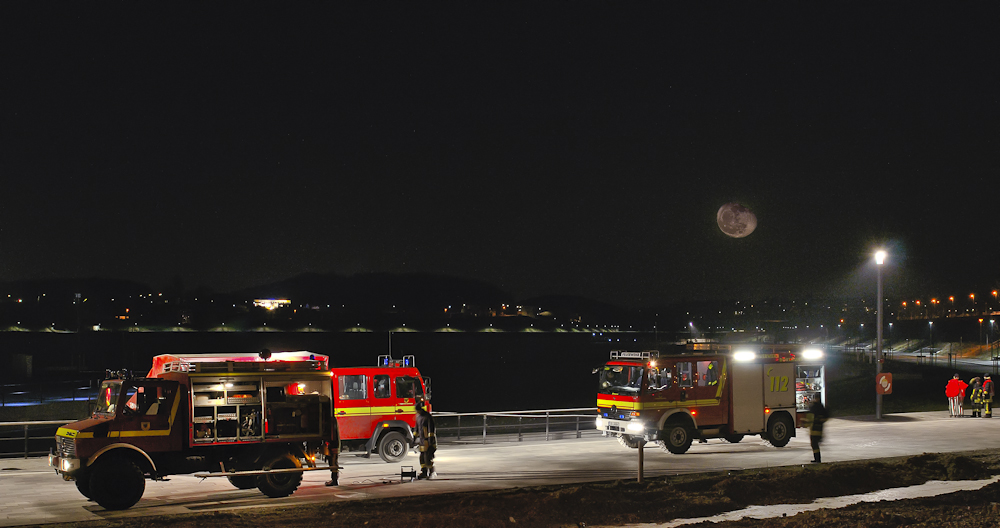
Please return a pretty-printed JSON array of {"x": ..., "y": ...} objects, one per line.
[
  {"x": 744, "y": 355},
  {"x": 635, "y": 427},
  {"x": 812, "y": 353},
  {"x": 599, "y": 423}
]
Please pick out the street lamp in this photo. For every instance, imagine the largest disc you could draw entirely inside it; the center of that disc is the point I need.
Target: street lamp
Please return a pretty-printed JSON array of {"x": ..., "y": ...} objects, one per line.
[{"x": 879, "y": 260}]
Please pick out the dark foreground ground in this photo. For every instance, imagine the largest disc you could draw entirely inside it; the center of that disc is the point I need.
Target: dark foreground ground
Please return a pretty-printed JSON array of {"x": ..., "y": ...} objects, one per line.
[{"x": 660, "y": 500}]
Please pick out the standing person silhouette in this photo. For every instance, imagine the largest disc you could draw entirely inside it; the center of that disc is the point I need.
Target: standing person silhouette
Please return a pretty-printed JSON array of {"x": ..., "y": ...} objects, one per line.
[
  {"x": 976, "y": 396},
  {"x": 955, "y": 391},
  {"x": 426, "y": 439},
  {"x": 988, "y": 393},
  {"x": 815, "y": 419}
]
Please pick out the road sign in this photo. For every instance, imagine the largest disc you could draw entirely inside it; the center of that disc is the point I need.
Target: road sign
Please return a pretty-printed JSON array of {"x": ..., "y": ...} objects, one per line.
[{"x": 883, "y": 383}]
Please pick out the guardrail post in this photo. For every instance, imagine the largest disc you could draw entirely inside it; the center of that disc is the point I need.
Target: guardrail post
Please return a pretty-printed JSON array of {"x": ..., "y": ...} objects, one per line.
[
  {"x": 25, "y": 440},
  {"x": 519, "y": 420},
  {"x": 546, "y": 426},
  {"x": 578, "y": 427},
  {"x": 484, "y": 429},
  {"x": 460, "y": 428}
]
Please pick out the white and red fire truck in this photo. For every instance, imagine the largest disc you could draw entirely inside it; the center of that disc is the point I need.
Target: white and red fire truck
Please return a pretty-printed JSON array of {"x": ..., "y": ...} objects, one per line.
[
  {"x": 375, "y": 406},
  {"x": 711, "y": 391},
  {"x": 258, "y": 421}
]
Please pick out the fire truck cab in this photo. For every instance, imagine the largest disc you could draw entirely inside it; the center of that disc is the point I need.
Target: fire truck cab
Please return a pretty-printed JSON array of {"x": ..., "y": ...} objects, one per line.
[
  {"x": 375, "y": 406},
  {"x": 258, "y": 421},
  {"x": 711, "y": 391}
]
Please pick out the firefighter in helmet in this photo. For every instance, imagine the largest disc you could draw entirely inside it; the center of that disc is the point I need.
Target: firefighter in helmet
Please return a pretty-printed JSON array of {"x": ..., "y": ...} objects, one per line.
[
  {"x": 426, "y": 439},
  {"x": 988, "y": 393}
]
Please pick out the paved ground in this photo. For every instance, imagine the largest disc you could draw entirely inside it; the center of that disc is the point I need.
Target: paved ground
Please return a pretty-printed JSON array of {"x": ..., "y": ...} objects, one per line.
[{"x": 31, "y": 493}]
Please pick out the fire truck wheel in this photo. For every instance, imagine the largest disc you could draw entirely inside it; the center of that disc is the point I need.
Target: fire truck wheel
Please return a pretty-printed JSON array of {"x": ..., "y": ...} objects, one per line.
[
  {"x": 243, "y": 482},
  {"x": 116, "y": 483},
  {"x": 734, "y": 438},
  {"x": 392, "y": 446},
  {"x": 276, "y": 485},
  {"x": 632, "y": 442},
  {"x": 779, "y": 431},
  {"x": 677, "y": 439},
  {"x": 83, "y": 484}
]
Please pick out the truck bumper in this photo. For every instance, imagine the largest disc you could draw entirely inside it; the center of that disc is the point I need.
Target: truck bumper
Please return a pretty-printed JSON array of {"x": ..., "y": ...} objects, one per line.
[
  {"x": 620, "y": 427},
  {"x": 66, "y": 466}
]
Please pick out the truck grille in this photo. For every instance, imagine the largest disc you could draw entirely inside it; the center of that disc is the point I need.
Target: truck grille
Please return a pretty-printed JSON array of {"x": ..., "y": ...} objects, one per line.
[{"x": 65, "y": 446}]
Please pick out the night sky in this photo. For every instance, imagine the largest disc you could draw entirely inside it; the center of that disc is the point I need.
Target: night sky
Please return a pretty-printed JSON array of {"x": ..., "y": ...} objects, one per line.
[{"x": 545, "y": 147}]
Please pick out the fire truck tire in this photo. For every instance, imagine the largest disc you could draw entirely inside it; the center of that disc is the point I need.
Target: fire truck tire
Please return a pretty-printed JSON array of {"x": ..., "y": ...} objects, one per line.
[
  {"x": 632, "y": 442},
  {"x": 280, "y": 484},
  {"x": 676, "y": 438},
  {"x": 733, "y": 438},
  {"x": 116, "y": 483},
  {"x": 392, "y": 447},
  {"x": 779, "y": 431},
  {"x": 83, "y": 484},
  {"x": 243, "y": 482}
]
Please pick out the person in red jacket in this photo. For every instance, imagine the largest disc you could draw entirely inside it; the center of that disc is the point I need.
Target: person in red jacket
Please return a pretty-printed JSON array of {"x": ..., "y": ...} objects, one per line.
[{"x": 955, "y": 391}]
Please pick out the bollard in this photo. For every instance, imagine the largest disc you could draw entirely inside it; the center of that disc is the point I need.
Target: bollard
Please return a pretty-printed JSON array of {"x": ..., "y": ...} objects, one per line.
[
  {"x": 642, "y": 446},
  {"x": 578, "y": 427},
  {"x": 546, "y": 426},
  {"x": 519, "y": 421},
  {"x": 460, "y": 428},
  {"x": 484, "y": 429}
]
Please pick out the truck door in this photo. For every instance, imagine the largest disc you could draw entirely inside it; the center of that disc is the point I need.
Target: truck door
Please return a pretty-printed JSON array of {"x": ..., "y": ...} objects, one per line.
[
  {"x": 353, "y": 406},
  {"x": 662, "y": 388},
  {"x": 706, "y": 393},
  {"x": 408, "y": 388},
  {"x": 148, "y": 417},
  {"x": 748, "y": 398},
  {"x": 383, "y": 404}
]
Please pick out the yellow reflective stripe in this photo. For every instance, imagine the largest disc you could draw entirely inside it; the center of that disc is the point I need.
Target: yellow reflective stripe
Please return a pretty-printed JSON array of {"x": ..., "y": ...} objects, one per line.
[
  {"x": 354, "y": 411},
  {"x": 173, "y": 410},
  {"x": 383, "y": 410},
  {"x": 671, "y": 404},
  {"x": 722, "y": 382},
  {"x": 620, "y": 404},
  {"x": 129, "y": 434}
]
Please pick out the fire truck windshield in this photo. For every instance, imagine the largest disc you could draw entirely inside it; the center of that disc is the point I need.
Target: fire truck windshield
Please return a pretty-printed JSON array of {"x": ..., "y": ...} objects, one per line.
[
  {"x": 107, "y": 398},
  {"x": 620, "y": 378}
]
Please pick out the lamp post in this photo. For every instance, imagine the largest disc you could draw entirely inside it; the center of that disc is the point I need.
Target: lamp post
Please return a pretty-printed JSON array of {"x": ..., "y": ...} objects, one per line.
[{"x": 879, "y": 260}]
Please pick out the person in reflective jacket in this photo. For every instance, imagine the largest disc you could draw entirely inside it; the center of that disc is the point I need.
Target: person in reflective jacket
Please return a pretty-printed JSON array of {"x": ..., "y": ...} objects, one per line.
[
  {"x": 426, "y": 439},
  {"x": 988, "y": 397},
  {"x": 976, "y": 396},
  {"x": 815, "y": 419}
]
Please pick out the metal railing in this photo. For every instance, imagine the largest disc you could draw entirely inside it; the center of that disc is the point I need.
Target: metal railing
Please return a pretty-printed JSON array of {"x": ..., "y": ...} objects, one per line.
[
  {"x": 37, "y": 437},
  {"x": 28, "y": 438},
  {"x": 515, "y": 426},
  {"x": 21, "y": 394}
]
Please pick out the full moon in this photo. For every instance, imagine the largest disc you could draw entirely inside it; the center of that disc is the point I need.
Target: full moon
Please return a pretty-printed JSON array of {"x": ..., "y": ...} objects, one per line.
[{"x": 736, "y": 220}]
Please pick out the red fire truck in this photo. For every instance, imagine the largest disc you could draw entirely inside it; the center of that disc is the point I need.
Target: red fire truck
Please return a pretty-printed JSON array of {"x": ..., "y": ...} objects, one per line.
[
  {"x": 259, "y": 421},
  {"x": 375, "y": 406},
  {"x": 711, "y": 391}
]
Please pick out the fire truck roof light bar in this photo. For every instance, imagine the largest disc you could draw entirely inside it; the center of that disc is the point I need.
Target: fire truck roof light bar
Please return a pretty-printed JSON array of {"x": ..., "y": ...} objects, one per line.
[
  {"x": 387, "y": 361},
  {"x": 645, "y": 354}
]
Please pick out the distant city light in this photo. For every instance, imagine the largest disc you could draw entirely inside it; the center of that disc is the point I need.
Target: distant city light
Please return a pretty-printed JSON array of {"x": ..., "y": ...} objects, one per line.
[{"x": 271, "y": 304}]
